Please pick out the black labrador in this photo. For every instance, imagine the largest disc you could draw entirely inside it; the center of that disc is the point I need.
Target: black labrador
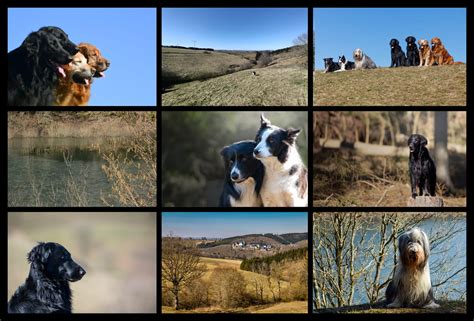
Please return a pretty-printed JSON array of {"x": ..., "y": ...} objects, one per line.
[
  {"x": 413, "y": 55},
  {"x": 46, "y": 290},
  {"x": 422, "y": 168},
  {"x": 398, "y": 56},
  {"x": 34, "y": 67}
]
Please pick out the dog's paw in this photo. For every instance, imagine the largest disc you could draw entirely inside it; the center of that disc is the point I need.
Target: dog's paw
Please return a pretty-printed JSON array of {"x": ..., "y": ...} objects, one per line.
[
  {"x": 431, "y": 305},
  {"x": 393, "y": 305},
  {"x": 414, "y": 195}
]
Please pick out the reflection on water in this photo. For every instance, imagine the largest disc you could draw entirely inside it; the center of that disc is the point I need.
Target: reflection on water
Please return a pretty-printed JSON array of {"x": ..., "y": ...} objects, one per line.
[{"x": 38, "y": 174}]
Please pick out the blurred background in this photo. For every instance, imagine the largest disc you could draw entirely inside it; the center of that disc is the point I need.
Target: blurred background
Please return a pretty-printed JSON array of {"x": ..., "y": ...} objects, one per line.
[
  {"x": 192, "y": 167},
  {"x": 117, "y": 250}
]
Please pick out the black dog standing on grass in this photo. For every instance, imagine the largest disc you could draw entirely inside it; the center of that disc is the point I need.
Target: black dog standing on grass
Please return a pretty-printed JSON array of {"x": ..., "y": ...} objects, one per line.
[
  {"x": 413, "y": 56},
  {"x": 398, "y": 56},
  {"x": 46, "y": 290},
  {"x": 422, "y": 168}
]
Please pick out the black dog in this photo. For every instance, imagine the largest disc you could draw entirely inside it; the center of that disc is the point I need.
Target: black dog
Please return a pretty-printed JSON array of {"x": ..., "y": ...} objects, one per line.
[
  {"x": 34, "y": 67},
  {"x": 422, "y": 167},
  {"x": 398, "y": 56},
  {"x": 413, "y": 56},
  {"x": 243, "y": 176},
  {"x": 329, "y": 65},
  {"x": 46, "y": 290}
]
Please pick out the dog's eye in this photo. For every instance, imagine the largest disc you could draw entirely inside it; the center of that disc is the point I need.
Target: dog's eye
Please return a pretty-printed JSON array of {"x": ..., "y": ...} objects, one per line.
[{"x": 271, "y": 140}]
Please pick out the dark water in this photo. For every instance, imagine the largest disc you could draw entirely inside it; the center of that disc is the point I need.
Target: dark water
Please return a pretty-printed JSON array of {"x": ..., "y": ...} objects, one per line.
[
  {"x": 38, "y": 174},
  {"x": 450, "y": 252}
]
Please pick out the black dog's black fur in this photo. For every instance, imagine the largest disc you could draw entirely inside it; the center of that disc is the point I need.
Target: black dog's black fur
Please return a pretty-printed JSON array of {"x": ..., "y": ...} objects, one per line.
[
  {"x": 413, "y": 56},
  {"x": 422, "y": 168},
  {"x": 398, "y": 56},
  {"x": 46, "y": 290},
  {"x": 241, "y": 155},
  {"x": 33, "y": 67},
  {"x": 330, "y": 65}
]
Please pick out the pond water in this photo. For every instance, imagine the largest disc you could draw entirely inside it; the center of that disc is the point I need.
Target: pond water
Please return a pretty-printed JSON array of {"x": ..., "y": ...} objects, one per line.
[
  {"x": 446, "y": 257},
  {"x": 39, "y": 175}
]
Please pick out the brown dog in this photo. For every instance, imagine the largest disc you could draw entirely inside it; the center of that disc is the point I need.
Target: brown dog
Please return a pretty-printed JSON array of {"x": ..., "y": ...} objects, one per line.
[
  {"x": 441, "y": 55},
  {"x": 76, "y": 93},
  {"x": 426, "y": 56}
]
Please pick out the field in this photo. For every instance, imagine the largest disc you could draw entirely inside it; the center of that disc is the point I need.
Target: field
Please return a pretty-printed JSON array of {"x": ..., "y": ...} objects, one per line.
[
  {"x": 195, "y": 78},
  {"x": 406, "y": 86}
]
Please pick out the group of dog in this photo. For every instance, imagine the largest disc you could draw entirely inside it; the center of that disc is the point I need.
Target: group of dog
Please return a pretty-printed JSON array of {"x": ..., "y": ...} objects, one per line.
[
  {"x": 425, "y": 55},
  {"x": 267, "y": 171},
  {"x": 48, "y": 69}
]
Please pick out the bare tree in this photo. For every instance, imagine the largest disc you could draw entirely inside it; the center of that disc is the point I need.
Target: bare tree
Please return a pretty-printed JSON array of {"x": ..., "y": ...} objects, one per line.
[{"x": 180, "y": 266}]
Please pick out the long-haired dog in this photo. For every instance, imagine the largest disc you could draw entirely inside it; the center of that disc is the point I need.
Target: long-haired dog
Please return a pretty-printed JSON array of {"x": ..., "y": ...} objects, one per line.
[
  {"x": 426, "y": 56},
  {"x": 243, "y": 176},
  {"x": 440, "y": 54},
  {"x": 421, "y": 167},
  {"x": 362, "y": 61},
  {"x": 285, "y": 183},
  {"x": 411, "y": 283}
]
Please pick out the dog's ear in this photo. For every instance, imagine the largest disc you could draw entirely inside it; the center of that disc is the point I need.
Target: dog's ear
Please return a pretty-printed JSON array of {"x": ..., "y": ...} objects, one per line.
[
  {"x": 32, "y": 43},
  {"x": 39, "y": 255},
  {"x": 426, "y": 245},
  {"x": 224, "y": 151},
  {"x": 419, "y": 42},
  {"x": 423, "y": 141},
  {"x": 292, "y": 134},
  {"x": 264, "y": 122}
]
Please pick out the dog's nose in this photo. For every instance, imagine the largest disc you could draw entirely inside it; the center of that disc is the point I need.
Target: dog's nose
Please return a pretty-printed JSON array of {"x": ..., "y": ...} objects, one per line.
[
  {"x": 235, "y": 176},
  {"x": 256, "y": 152},
  {"x": 82, "y": 272}
]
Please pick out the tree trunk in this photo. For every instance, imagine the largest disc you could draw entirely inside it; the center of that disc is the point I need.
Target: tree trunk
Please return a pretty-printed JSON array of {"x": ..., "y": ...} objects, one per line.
[{"x": 441, "y": 149}]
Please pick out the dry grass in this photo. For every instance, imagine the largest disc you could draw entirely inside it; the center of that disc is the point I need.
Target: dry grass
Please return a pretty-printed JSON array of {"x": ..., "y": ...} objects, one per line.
[
  {"x": 274, "y": 86},
  {"x": 406, "y": 86}
]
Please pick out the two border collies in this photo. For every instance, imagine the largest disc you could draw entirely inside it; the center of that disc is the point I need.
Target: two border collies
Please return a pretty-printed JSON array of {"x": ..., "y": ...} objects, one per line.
[{"x": 266, "y": 172}]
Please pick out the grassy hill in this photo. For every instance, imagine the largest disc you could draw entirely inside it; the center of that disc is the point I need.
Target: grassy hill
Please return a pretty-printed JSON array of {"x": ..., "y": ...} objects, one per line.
[
  {"x": 406, "y": 86},
  {"x": 205, "y": 78}
]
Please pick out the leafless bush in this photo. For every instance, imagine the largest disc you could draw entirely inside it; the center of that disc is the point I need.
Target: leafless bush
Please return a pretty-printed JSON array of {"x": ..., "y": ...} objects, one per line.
[{"x": 230, "y": 288}]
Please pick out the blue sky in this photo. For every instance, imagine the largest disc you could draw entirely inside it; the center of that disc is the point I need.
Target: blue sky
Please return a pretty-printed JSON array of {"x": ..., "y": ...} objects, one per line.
[
  {"x": 233, "y": 28},
  {"x": 127, "y": 37},
  {"x": 340, "y": 31},
  {"x": 232, "y": 223}
]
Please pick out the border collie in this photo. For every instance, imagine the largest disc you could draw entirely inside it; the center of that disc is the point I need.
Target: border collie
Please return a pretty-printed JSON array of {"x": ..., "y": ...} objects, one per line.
[
  {"x": 345, "y": 64},
  {"x": 286, "y": 178},
  {"x": 243, "y": 176},
  {"x": 329, "y": 65}
]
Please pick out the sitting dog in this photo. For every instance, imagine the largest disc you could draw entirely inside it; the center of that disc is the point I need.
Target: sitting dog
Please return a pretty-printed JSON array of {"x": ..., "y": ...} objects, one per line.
[
  {"x": 362, "y": 61},
  {"x": 329, "y": 65},
  {"x": 345, "y": 64},
  {"x": 413, "y": 56},
  {"x": 286, "y": 178},
  {"x": 398, "y": 56},
  {"x": 411, "y": 283},
  {"x": 421, "y": 167},
  {"x": 426, "y": 57},
  {"x": 243, "y": 176},
  {"x": 440, "y": 54}
]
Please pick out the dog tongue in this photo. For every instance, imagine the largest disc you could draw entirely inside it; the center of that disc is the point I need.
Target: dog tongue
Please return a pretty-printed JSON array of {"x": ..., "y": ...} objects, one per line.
[
  {"x": 61, "y": 71},
  {"x": 102, "y": 74},
  {"x": 87, "y": 81}
]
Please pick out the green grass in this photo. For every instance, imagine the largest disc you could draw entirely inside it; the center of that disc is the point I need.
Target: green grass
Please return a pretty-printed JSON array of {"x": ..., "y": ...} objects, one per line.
[{"x": 406, "y": 86}]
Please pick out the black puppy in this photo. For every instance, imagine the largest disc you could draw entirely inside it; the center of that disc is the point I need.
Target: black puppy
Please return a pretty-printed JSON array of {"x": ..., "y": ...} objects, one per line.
[
  {"x": 398, "y": 56},
  {"x": 34, "y": 67},
  {"x": 422, "y": 168},
  {"x": 329, "y": 65},
  {"x": 413, "y": 56},
  {"x": 243, "y": 176},
  {"x": 46, "y": 290}
]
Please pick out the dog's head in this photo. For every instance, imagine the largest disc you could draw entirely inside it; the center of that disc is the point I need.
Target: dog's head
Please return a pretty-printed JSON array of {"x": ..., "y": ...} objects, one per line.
[
  {"x": 78, "y": 70},
  {"x": 342, "y": 59},
  {"x": 54, "y": 261},
  {"x": 328, "y": 62},
  {"x": 414, "y": 248},
  {"x": 411, "y": 41},
  {"x": 273, "y": 141},
  {"x": 416, "y": 142},
  {"x": 358, "y": 54},
  {"x": 436, "y": 43},
  {"x": 239, "y": 161},
  {"x": 94, "y": 58},
  {"x": 394, "y": 43},
  {"x": 424, "y": 44}
]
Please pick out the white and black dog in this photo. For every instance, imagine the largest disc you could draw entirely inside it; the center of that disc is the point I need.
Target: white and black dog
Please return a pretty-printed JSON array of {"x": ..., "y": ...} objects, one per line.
[
  {"x": 285, "y": 183},
  {"x": 411, "y": 284},
  {"x": 243, "y": 176},
  {"x": 345, "y": 64}
]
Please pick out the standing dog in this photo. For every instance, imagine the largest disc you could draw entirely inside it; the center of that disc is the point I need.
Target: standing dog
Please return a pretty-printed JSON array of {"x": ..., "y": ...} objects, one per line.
[
  {"x": 413, "y": 56},
  {"x": 411, "y": 283},
  {"x": 286, "y": 178},
  {"x": 243, "y": 176},
  {"x": 329, "y": 65},
  {"x": 422, "y": 168},
  {"x": 362, "y": 61},
  {"x": 440, "y": 55},
  {"x": 426, "y": 57},
  {"x": 345, "y": 64},
  {"x": 398, "y": 56}
]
